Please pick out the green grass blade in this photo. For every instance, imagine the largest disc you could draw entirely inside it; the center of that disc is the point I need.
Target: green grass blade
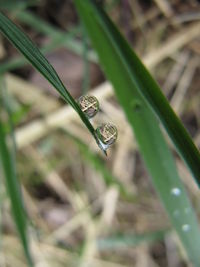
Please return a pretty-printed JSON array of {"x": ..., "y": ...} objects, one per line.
[
  {"x": 38, "y": 24},
  {"x": 7, "y": 158},
  {"x": 146, "y": 86},
  {"x": 58, "y": 41},
  {"x": 16, "y": 5},
  {"x": 152, "y": 144},
  {"x": 36, "y": 58},
  {"x": 86, "y": 63},
  {"x": 41, "y": 26},
  {"x": 129, "y": 240}
]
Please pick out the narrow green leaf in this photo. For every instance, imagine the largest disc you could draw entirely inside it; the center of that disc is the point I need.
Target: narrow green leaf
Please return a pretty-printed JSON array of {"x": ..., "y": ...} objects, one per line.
[
  {"x": 16, "y": 5},
  {"x": 21, "y": 41},
  {"x": 58, "y": 41},
  {"x": 7, "y": 161},
  {"x": 86, "y": 63},
  {"x": 129, "y": 240},
  {"x": 41, "y": 26},
  {"x": 112, "y": 50},
  {"x": 149, "y": 90}
]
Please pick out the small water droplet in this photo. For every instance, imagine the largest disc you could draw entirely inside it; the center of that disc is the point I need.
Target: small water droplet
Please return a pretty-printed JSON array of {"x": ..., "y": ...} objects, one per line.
[
  {"x": 176, "y": 191},
  {"x": 176, "y": 213},
  {"x": 186, "y": 227},
  {"x": 89, "y": 105},
  {"x": 107, "y": 134}
]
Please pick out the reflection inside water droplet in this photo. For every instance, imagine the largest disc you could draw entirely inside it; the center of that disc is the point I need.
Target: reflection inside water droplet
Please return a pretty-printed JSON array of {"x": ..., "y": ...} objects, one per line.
[
  {"x": 186, "y": 227},
  {"x": 89, "y": 105},
  {"x": 176, "y": 191},
  {"x": 106, "y": 134}
]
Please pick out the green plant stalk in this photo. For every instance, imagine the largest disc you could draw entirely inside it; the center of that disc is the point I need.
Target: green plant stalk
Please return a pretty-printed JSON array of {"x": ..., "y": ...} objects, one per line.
[
  {"x": 17, "y": 5},
  {"x": 86, "y": 63},
  {"x": 119, "y": 241},
  {"x": 7, "y": 161},
  {"x": 149, "y": 90},
  {"x": 24, "y": 44},
  {"x": 14, "y": 193},
  {"x": 56, "y": 42},
  {"x": 41, "y": 26},
  {"x": 59, "y": 39},
  {"x": 152, "y": 144}
]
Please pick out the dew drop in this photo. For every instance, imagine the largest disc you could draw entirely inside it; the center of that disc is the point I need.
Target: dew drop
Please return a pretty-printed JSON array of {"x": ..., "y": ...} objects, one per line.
[
  {"x": 176, "y": 191},
  {"x": 186, "y": 227},
  {"x": 107, "y": 134},
  {"x": 89, "y": 105}
]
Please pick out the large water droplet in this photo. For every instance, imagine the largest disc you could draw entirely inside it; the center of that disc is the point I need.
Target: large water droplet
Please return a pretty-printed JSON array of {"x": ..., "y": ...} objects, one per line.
[
  {"x": 89, "y": 105},
  {"x": 176, "y": 191},
  {"x": 107, "y": 134},
  {"x": 186, "y": 227}
]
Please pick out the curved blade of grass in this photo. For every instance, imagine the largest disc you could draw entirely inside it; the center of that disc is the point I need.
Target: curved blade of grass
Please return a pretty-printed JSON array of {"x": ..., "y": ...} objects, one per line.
[
  {"x": 58, "y": 41},
  {"x": 148, "y": 89},
  {"x": 22, "y": 42},
  {"x": 7, "y": 159},
  {"x": 86, "y": 63},
  {"x": 15, "y": 5},
  {"x": 152, "y": 144},
  {"x": 129, "y": 240},
  {"x": 41, "y": 26}
]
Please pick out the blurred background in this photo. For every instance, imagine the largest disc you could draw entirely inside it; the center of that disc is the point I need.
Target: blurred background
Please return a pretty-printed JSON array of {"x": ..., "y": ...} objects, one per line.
[{"x": 86, "y": 209}]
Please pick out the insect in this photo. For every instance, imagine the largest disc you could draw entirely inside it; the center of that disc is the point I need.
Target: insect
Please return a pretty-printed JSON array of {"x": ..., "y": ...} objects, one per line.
[{"x": 89, "y": 105}]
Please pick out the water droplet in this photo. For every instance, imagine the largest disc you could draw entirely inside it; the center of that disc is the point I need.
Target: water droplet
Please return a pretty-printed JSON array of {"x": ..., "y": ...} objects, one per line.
[
  {"x": 176, "y": 191},
  {"x": 89, "y": 105},
  {"x": 176, "y": 213},
  {"x": 186, "y": 227},
  {"x": 107, "y": 135}
]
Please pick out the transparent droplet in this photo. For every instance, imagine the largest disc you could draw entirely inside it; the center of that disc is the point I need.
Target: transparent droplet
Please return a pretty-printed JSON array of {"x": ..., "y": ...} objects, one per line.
[
  {"x": 107, "y": 134},
  {"x": 176, "y": 191},
  {"x": 186, "y": 227},
  {"x": 89, "y": 105}
]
